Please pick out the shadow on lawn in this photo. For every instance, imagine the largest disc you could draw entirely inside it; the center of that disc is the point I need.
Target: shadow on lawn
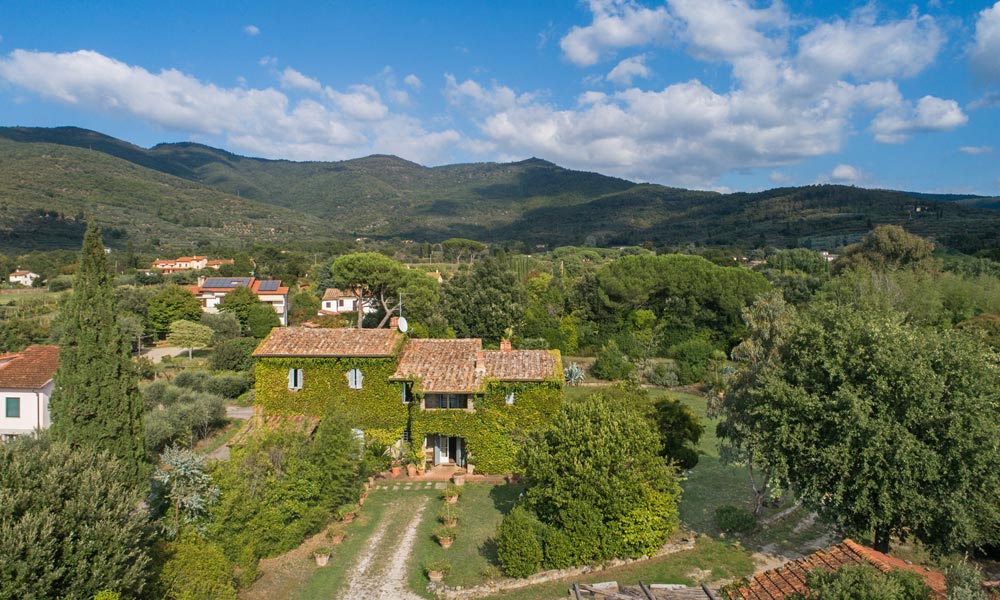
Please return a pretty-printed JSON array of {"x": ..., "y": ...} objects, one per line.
[{"x": 505, "y": 497}]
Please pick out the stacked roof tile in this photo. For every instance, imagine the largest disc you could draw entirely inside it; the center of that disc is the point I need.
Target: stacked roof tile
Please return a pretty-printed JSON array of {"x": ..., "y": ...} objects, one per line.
[
  {"x": 791, "y": 577},
  {"x": 308, "y": 342},
  {"x": 31, "y": 368}
]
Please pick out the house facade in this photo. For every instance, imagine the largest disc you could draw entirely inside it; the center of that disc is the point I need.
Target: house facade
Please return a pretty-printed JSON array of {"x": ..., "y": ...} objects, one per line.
[
  {"x": 335, "y": 302},
  {"x": 25, "y": 388},
  {"x": 450, "y": 400},
  {"x": 189, "y": 263},
  {"x": 25, "y": 278},
  {"x": 211, "y": 290}
]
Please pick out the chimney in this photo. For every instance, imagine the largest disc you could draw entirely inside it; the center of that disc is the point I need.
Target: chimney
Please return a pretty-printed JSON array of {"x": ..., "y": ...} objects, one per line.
[
  {"x": 201, "y": 281},
  {"x": 393, "y": 322},
  {"x": 505, "y": 345},
  {"x": 480, "y": 362}
]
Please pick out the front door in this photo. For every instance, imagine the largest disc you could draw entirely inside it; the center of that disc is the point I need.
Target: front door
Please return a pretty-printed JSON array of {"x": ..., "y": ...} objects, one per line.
[
  {"x": 442, "y": 454},
  {"x": 448, "y": 450}
]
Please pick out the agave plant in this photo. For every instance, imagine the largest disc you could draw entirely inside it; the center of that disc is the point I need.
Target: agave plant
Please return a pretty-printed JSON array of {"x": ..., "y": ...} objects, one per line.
[{"x": 573, "y": 374}]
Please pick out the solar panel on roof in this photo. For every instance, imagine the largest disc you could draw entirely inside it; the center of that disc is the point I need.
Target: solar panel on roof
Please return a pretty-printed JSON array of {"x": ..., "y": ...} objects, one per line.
[{"x": 268, "y": 286}]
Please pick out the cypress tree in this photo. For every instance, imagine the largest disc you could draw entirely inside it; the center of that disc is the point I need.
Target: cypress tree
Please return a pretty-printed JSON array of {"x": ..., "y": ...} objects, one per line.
[{"x": 95, "y": 401}]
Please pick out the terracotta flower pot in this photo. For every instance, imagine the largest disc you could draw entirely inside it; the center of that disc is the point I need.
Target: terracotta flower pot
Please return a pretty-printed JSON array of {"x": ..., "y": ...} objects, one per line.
[
  {"x": 411, "y": 470},
  {"x": 451, "y": 499},
  {"x": 435, "y": 576},
  {"x": 445, "y": 542},
  {"x": 458, "y": 478},
  {"x": 450, "y": 522},
  {"x": 321, "y": 559},
  {"x": 337, "y": 538},
  {"x": 349, "y": 517},
  {"x": 395, "y": 470}
]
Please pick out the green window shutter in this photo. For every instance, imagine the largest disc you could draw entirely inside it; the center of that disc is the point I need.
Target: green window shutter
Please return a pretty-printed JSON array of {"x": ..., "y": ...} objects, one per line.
[{"x": 13, "y": 408}]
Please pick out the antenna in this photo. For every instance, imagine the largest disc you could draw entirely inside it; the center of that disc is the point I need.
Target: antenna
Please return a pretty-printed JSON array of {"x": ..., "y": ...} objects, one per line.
[{"x": 402, "y": 325}]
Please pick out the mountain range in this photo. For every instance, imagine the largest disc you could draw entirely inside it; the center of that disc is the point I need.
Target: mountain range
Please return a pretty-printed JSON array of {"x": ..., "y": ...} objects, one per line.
[{"x": 182, "y": 194}]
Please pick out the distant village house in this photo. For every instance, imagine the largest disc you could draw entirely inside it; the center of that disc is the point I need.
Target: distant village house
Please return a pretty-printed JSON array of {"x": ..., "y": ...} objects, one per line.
[
  {"x": 25, "y": 278},
  {"x": 211, "y": 290},
  {"x": 337, "y": 302},
  {"x": 189, "y": 263}
]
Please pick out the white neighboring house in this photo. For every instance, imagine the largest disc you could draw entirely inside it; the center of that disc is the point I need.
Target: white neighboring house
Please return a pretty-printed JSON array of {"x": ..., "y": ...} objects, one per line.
[
  {"x": 211, "y": 290},
  {"x": 337, "y": 302},
  {"x": 25, "y": 278},
  {"x": 25, "y": 388}
]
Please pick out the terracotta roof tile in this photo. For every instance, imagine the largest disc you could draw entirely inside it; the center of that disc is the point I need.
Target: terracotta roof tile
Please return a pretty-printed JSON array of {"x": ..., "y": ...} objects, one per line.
[
  {"x": 522, "y": 365},
  {"x": 304, "y": 341},
  {"x": 442, "y": 365},
  {"x": 791, "y": 577},
  {"x": 31, "y": 368}
]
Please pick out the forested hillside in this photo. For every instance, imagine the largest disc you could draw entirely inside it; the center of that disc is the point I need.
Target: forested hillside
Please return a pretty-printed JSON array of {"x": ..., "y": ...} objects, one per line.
[{"x": 209, "y": 193}]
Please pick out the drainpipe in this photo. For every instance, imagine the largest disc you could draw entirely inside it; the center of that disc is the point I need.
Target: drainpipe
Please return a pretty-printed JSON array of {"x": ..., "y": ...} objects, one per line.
[{"x": 38, "y": 411}]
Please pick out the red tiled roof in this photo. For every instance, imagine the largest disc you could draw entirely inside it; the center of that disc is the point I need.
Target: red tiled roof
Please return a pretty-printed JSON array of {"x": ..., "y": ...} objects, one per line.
[
  {"x": 522, "y": 365},
  {"x": 303, "y": 341},
  {"x": 31, "y": 368},
  {"x": 19, "y": 273},
  {"x": 450, "y": 365},
  {"x": 333, "y": 294},
  {"x": 791, "y": 577},
  {"x": 279, "y": 289},
  {"x": 441, "y": 365}
]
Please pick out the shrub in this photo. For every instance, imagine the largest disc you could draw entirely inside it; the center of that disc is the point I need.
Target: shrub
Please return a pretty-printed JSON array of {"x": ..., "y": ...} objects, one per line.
[
  {"x": 558, "y": 549},
  {"x": 233, "y": 355},
  {"x": 663, "y": 374},
  {"x": 692, "y": 359},
  {"x": 193, "y": 379},
  {"x": 227, "y": 385},
  {"x": 733, "y": 519},
  {"x": 196, "y": 568},
  {"x": 61, "y": 283},
  {"x": 611, "y": 364},
  {"x": 518, "y": 548},
  {"x": 573, "y": 374}
]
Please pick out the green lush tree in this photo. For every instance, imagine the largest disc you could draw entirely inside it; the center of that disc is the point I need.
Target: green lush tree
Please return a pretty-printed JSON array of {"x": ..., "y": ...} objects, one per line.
[
  {"x": 879, "y": 425},
  {"x": 238, "y": 303},
  {"x": 172, "y": 303},
  {"x": 865, "y": 582},
  {"x": 185, "y": 334},
  {"x": 305, "y": 305},
  {"x": 375, "y": 277},
  {"x": 611, "y": 364},
  {"x": 234, "y": 355},
  {"x": 487, "y": 302},
  {"x": 261, "y": 320},
  {"x": 195, "y": 569},
  {"x": 458, "y": 248},
  {"x": 95, "y": 399},
  {"x": 183, "y": 488},
  {"x": 887, "y": 247},
  {"x": 71, "y": 522},
  {"x": 680, "y": 429},
  {"x": 577, "y": 479},
  {"x": 224, "y": 325},
  {"x": 132, "y": 328}
]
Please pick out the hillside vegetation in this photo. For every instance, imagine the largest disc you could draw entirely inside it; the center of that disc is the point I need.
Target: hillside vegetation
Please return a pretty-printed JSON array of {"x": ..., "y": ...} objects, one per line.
[{"x": 192, "y": 192}]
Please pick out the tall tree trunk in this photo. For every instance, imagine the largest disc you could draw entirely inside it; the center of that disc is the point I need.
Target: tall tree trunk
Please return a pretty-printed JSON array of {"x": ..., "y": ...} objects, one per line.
[
  {"x": 361, "y": 311},
  {"x": 882, "y": 540}
]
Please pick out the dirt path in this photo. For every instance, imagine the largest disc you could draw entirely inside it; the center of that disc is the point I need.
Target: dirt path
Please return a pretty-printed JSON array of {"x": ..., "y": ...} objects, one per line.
[{"x": 375, "y": 578}]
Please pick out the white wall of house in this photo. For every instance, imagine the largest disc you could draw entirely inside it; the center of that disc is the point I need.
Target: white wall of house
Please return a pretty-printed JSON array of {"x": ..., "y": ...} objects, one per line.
[
  {"x": 34, "y": 410},
  {"x": 280, "y": 305},
  {"x": 27, "y": 279}
]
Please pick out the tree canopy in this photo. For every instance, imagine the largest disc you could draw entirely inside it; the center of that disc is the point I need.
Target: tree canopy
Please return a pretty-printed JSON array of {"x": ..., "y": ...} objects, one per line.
[
  {"x": 95, "y": 399},
  {"x": 487, "y": 302},
  {"x": 369, "y": 275},
  {"x": 880, "y": 425},
  {"x": 172, "y": 303},
  {"x": 186, "y": 334}
]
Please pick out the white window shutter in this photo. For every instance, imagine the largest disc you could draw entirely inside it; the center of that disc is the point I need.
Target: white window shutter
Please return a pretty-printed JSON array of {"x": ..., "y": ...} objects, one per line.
[{"x": 510, "y": 398}]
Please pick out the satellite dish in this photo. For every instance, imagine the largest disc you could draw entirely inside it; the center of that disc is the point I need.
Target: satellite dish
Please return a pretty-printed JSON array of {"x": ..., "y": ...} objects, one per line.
[{"x": 402, "y": 325}]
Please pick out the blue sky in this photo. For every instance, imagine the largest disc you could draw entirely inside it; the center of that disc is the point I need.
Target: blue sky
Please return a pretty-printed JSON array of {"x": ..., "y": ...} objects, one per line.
[{"x": 708, "y": 94}]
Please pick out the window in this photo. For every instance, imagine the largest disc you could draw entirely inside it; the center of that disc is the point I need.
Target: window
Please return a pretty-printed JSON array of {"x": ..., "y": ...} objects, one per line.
[
  {"x": 510, "y": 398},
  {"x": 446, "y": 401},
  {"x": 13, "y": 408},
  {"x": 294, "y": 379},
  {"x": 406, "y": 396},
  {"x": 355, "y": 379}
]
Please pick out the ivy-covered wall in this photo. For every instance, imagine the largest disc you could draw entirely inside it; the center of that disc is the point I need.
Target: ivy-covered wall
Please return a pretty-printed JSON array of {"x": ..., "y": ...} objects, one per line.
[
  {"x": 495, "y": 430},
  {"x": 377, "y": 407}
]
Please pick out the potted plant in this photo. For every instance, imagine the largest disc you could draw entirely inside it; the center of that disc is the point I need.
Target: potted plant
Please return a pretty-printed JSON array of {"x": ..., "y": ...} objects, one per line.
[
  {"x": 448, "y": 516},
  {"x": 445, "y": 536},
  {"x": 436, "y": 570},
  {"x": 395, "y": 469},
  {"x": 414, "y": 459},
  {"x": 335, "y": 534},
  {"x": 322, "y": 555},
  {"x": 458, "y": 478},
  {"x": 451, "y": 493},
  {"x": 347, "y": 512},
  {"x": 469, "y": 466}
]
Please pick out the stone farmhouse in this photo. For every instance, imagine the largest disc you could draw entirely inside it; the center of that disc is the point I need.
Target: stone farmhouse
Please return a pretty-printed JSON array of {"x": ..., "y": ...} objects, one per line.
[
  {"x": 447, "y": 401},
  {"x": 189, "y": 263}
]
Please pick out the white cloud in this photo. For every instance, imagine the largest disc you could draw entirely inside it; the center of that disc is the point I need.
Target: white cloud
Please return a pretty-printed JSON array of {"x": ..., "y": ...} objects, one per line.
[
  {"x": 974, "y": 150},
  {"x": 718, "y": 29},
  {"x": 263, "y": 122},
  {"x": 628, "y": 69},
  {"x": 251, "y": 30},
  {"x": 985, "y": 53},
  {"x": 866, "y": 50},
  {"x": 292, "y": 79},
  {"x": 267, "y": 61},
  {"x": 616, "y": 24},
  {"x": 413, "y": 81},
  {"x": 895, "y": 125},
  {"x": 846, "y": 174}
]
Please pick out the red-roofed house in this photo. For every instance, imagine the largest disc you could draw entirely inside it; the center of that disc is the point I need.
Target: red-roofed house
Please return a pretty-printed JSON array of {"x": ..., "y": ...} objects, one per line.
[
  {"x": 449, "y": 399},
  {"x": 337, "y": 302},
  {"x": 25, "y": 386},
  {"x": 211, "y": 290},
  {"x": 25, "y": 278},
  {"x": 791, "y": 578},
  {"x": 189, "y": 263}
]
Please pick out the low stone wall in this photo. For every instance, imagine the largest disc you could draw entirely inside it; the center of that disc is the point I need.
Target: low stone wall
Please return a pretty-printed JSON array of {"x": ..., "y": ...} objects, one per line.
[{"x": 501, "y": 585}]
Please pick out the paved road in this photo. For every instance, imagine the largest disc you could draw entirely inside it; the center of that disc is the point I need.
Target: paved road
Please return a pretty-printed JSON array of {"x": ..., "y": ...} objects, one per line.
[{"x": 157, "y": 354}]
